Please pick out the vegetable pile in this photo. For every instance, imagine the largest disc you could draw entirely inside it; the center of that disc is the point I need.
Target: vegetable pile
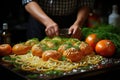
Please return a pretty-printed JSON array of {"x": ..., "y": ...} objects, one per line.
[{"x": 105, "y": 31}]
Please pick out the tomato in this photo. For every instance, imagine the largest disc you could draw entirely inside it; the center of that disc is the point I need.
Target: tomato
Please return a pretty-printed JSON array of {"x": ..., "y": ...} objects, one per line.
[
  {"x": 62, "y": 48},
  {"x": 32, "y": 42},
  {"x": 105, "y": 48},
  {"x": 92, "y": 39},
  {"x": 20, "y": 49},
  {"x": 85, "y": 48},
  {"x": 5, "y": 49},
  {"x": 37, "y": 50},
  {"x": 73, "y": 54},
  {"x": 51, "y": 54}
]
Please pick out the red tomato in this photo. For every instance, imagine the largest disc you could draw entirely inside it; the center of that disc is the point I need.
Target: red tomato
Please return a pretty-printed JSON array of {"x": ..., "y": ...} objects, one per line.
[
  {"x": 37, "y": 50},
  {"x": 92, "y": 40},
  {"x": 20, "y": 49},
  {"x": 51, "y": 54},
  {"x": 105, "y": 48},
  {"x": 5, "y": 49}
]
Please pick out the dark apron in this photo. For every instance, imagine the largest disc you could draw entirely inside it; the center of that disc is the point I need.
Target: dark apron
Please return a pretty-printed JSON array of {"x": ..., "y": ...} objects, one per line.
[{"x": 36, "y": 30}]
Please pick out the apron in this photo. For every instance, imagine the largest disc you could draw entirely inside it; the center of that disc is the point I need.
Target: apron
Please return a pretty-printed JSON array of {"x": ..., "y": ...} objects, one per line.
[{"x": 37, "y": 30}]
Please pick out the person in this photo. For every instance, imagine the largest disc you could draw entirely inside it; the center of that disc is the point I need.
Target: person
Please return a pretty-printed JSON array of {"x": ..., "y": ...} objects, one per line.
[{"x": 47, "y": 17}]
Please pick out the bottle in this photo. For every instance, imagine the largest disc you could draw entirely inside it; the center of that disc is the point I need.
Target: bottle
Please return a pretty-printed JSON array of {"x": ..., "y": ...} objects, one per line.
[
  {"x": 6, "y": 36},
  {"x": 114, "y": 17}
]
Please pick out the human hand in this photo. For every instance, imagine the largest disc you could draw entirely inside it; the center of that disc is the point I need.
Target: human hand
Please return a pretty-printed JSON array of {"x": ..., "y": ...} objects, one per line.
[
  {"x": 52, "y": 30},
  {"x": 75, "y": 31}
]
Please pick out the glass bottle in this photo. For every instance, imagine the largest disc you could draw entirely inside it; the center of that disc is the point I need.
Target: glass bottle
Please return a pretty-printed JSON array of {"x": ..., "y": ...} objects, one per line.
[
  {"x": 114, "y": 17},
  {"x": 6, "y": 36}
]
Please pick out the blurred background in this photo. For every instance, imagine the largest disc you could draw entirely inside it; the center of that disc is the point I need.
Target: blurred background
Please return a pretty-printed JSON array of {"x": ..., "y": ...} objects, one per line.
[{"x": 13, "y": 13}]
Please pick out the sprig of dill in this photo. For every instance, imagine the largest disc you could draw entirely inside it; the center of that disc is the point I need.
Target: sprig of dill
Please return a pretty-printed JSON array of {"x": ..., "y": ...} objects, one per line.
[{"x": 105, "y": 31}]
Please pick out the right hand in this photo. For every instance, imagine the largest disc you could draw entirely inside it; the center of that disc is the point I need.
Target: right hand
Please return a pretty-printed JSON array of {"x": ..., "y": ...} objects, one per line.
[
  {"x": 75, "y": 31},
  {"x": 52, "y": 30}
]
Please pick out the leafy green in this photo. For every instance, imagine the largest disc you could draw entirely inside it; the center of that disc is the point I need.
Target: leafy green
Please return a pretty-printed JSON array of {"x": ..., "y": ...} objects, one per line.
[
  {"x": 33, "y": 76},
  {"x": 54, "y": 72},
  {"x": 8, "y": 58},
  {"x": 105, "y": 31},
  {"x": 63, "y": 58}
]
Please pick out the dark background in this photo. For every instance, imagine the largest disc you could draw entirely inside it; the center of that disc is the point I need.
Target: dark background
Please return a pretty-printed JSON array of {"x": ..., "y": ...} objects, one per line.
[{"x": 14, "y": 14}]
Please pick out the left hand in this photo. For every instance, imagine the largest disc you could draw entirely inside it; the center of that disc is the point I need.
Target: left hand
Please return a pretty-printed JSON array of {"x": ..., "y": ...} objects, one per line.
[{"x": 75, "y": 31}]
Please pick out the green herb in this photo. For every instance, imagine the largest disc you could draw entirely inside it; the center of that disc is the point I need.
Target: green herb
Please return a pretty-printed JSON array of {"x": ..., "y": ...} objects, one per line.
[
  {"x": 33, "y": 76},
  {"x": 105, "y": 32},
  {"x": 63, "y": 58},
  {"x": 54, "y": 72}
]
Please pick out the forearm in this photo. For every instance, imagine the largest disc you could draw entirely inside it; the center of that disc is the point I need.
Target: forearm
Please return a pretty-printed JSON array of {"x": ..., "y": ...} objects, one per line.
[
  {"x": 82, "y": 16},
  {"x": 36, "y": 11}
]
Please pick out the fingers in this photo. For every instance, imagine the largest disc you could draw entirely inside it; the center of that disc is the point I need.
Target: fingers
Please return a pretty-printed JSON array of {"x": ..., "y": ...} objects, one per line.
[
  {"x": 76, "y": 33},
  {"x": 51, "y": 31},
  {"x": 56, "y": 31},
  {"x": 71, "y": 30}
]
